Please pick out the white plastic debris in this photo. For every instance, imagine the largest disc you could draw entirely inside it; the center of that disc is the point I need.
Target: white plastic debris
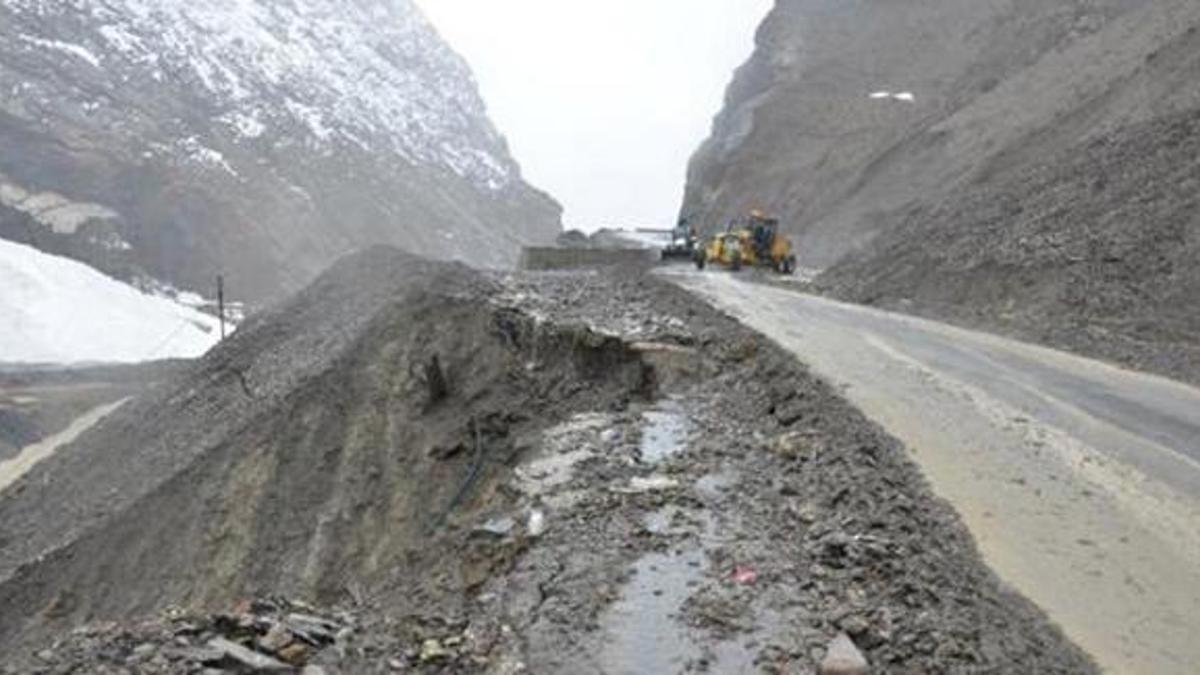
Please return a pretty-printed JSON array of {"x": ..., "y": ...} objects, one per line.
[
  {"x": 639, "y": 485},
  {"x": 537, "y": 523}
]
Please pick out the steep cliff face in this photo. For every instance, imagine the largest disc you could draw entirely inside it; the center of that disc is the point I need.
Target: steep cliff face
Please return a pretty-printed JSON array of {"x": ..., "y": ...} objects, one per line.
[
  {"x": 179, "y": 138},
  {"x": 808, "y": 133}
]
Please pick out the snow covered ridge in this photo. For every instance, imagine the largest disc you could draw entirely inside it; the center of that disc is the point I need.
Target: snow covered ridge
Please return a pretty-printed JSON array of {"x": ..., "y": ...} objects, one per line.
[
  {"x": 373, "y": 73},
  {"x": 54, "y": 310}
]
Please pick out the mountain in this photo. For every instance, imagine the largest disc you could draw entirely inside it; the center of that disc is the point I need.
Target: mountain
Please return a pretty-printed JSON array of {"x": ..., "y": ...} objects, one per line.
[
  {"x": 58, "y": 310},
  {"x": 806, "y": 133},
  {"x": 1038, "y": 175},
  {"x": 176, "y": 139}
]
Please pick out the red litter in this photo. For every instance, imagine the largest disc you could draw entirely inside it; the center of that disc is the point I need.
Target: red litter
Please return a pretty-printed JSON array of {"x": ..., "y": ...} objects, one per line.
[{"x": 744, "y": 574}]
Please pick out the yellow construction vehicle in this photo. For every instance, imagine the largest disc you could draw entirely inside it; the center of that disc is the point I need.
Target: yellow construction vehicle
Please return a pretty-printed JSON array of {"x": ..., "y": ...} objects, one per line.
[{"x": 754, "y": 241}]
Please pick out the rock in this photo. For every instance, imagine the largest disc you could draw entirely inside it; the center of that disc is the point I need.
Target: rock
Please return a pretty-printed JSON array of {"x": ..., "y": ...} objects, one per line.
[
  {"x": 789, "y": 413},
  {"x": 200, "y": 655},
  {"x": 432, "y": 650},
  {"x": 312, "y": 629},
  {"x": 790, "y": 445},
  {"x": 246, "y": 657},
  {"x": 142, "y": 653},
  {"x": 498, "y": 527},
  {"x": 276, "y": 639},
  {"x": 855, "y": 625},
  {"x": 638, "y": 485},
  {"x": 312, "y": 670},
  {"x": 295, "y": 654},
  {"x": 843, "y": 658}
]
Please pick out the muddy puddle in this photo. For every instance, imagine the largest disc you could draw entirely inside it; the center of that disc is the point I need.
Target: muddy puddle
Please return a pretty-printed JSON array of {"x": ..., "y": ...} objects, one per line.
[
  {"x": 562, "y": 448},
  {"x": 646, "y": 638},
  {"x": 664, "y": 432},
  {"x": 645, "y": 630},
  {"x": 712, "y": 487}
]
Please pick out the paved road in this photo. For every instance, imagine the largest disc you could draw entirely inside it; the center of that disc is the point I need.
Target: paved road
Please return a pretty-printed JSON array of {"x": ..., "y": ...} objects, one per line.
[{"x": 1080, "y": 481}]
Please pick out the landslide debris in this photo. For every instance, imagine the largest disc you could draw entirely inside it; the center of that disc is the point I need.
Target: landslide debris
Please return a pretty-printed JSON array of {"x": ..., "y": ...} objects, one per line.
[
  {"x": 1094, "y": 252},
  {"x": 328, "y": 444},
  {"x": 608, "y": 476}
]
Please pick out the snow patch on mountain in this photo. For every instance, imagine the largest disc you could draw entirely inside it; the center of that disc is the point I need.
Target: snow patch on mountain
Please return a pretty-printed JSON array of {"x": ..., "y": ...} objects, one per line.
[
  {"x": 73, "y": 50},
  {"x": 57, "y": 310},
  {"x": 344, "y": 71}
]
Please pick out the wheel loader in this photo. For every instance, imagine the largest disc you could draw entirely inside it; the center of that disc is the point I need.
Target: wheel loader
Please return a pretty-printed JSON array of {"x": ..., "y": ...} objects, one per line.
[{"x": 749, "y": 242}]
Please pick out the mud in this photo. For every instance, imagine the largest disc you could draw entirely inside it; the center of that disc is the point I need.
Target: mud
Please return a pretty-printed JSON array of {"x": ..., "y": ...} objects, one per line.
[{"x": 609, "y": 477}]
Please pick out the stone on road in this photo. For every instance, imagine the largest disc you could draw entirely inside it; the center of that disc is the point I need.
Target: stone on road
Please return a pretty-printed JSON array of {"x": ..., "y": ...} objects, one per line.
[{"x": 843, "y": 658}]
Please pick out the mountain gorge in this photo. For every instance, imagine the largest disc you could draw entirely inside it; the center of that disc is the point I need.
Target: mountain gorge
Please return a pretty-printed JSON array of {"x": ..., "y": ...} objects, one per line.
[{"x": 172, "y": 141}]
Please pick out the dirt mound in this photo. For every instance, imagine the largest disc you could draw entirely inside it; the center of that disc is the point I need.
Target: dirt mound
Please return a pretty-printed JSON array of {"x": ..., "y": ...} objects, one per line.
[
  {"x": 1093, "y": 252},
  {"x": 327, "y": 445},
  {"x": 596, "y": 474}
]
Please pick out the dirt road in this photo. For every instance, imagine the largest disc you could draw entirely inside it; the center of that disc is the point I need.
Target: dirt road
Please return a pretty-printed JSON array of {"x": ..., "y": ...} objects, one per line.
[
  {"x": 1080, "y": 481},
  {"x": 30, "y": 455}
]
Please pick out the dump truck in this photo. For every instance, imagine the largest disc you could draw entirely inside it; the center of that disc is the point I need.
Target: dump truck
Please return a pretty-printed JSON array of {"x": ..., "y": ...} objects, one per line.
[{"x": 754, "y": 241}]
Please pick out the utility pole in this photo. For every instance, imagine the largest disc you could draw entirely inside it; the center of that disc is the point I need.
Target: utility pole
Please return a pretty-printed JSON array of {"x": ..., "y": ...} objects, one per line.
[{"x": 221, "y": 303}]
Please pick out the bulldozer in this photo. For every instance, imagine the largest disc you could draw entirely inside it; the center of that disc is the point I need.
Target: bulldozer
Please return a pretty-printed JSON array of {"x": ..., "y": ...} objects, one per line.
[{"x": 754, "y": 241}]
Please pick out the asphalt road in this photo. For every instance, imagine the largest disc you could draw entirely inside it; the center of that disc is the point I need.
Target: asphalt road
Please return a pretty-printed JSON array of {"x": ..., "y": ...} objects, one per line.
[{"x": 1079, "y": 480}]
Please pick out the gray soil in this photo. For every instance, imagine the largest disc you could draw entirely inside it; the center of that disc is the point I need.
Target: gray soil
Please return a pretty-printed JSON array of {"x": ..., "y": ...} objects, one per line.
[
  {"x": 1094, "y": 252},
  {"x": 546, "y": 473}
]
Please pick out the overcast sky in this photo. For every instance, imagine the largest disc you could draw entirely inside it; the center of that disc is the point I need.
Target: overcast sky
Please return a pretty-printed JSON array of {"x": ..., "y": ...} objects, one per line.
[{"x": 603, "y": 101}]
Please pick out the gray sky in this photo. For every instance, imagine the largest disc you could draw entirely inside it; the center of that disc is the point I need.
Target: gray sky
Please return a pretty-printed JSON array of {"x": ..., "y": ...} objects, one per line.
[{"x": 603, "y": 101}]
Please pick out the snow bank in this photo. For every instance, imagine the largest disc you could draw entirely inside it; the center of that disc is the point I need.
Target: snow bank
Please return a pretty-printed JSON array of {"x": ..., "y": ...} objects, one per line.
[{"x": 57, "y": 310}]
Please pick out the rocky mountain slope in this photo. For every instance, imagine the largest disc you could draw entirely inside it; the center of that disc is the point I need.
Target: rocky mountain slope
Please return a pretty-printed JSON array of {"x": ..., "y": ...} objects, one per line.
[
  {"x": 994, "y": 85},
  {"x": 179, "y": 138},
  {"x": 1094, "y": 252},
  {"x": 1040, "y": 181}
]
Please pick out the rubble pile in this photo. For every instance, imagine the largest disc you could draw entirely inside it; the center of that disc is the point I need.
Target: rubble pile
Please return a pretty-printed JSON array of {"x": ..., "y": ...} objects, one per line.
[
  {"x": 267, "y": 635},
  {"x": 607, "y": 476}
]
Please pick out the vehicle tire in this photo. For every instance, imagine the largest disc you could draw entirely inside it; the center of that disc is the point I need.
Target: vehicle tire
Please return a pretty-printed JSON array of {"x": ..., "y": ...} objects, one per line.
[
  {"x": 790, "y": 266},
  {"x": 736, "y": 264},
  {"x": 700, "y": 260}
]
